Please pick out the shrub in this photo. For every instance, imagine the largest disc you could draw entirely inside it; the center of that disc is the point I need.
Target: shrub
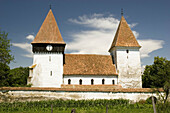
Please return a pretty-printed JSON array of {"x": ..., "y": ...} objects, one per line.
[
  {"x": 149, "y": 100},
  {"x": 142, "y": 101}
]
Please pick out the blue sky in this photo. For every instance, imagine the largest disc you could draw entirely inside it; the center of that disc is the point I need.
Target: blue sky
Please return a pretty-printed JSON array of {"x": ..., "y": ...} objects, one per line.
[{"x": 87, "y": 26}]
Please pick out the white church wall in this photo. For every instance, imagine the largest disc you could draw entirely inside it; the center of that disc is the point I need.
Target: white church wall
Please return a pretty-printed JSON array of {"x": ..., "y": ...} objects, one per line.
[
  {"x": 129, "y": 67},
  {"x": 49, "y": 70},
  {"x": 86, "y": 79}
]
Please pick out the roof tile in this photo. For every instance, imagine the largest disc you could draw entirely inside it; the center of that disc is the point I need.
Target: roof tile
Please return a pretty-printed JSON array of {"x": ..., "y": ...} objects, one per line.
[
  {"x": 49, "y": 31},
  {"x": 124, "y": 36},
  {"x": 81, "y": 64}
]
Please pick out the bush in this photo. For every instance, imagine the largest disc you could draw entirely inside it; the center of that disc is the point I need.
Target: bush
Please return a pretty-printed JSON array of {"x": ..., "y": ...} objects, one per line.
[
  {"x": 142, "y": 101},
  {"x": 163, "y": 107},
  {"x": 149, "y": 100}
]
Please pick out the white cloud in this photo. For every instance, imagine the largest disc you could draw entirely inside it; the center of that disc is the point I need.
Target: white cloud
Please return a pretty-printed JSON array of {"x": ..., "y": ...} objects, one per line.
[
  {"x": 26, "y": 47},
  {"x": 97, "y": 21},
  {"x": 149, "y": 46},
  {"x": 91, "y": 42},
  {"x": 30, "y": 37},
  {"x": 136, "y": 34},
  {"x": 132, "y": 25},
  {"x": 98, "y": 40}
]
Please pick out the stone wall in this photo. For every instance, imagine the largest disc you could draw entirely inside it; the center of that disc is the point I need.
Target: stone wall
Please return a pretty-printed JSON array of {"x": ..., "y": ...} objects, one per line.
[{"x": 37, "y": 94}]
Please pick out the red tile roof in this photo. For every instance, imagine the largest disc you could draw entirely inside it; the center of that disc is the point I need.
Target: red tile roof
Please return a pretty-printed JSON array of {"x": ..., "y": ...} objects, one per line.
[
  {"x": 49, "y": 31},
  {"x": 81, "y": 64},
  {"x": 124, "y": 36}
]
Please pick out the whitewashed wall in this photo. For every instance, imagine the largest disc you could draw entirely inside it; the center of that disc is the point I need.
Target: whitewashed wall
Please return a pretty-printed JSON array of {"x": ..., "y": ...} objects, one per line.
[
  {"x": 128, "y": 66},
  {"x": 45, "y": 95},
  {"x": 49, "y": 71},
  {"x": 86, "y": 79}
]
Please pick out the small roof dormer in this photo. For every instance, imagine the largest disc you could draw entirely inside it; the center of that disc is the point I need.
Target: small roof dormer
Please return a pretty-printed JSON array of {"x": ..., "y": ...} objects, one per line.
[{"x": 124, "y": 36}]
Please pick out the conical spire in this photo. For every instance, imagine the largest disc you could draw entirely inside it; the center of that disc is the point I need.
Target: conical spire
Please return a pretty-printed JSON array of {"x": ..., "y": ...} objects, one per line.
[
  {"x": 49, "y": 31},
  {"x": 124, "y": 36}
]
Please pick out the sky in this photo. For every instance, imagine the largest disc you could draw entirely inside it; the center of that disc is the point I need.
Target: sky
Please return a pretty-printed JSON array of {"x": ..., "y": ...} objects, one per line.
[{"x": 87, "y": 26}]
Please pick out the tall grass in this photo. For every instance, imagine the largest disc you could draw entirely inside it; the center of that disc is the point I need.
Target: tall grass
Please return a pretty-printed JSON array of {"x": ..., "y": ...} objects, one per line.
[
  {"x": 22, "y": 106},
  {"x": 81, "y": 106}
]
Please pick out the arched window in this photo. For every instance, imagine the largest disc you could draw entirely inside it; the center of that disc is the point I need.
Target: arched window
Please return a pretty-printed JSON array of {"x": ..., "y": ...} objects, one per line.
[
  {"x": 69, "y": 81},
  {"x": 80, "y": 82},
  {"x": 51, "y": 73},
  {"x": 103, "y": 81},
  {"x": 127, "y": 51},
  {"x": 92, "y": 81},
  {"x": 113, "y": 82}
]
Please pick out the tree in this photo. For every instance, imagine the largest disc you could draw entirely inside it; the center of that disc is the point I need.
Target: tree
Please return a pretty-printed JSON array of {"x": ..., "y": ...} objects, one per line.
[
  {"x": 5, "y": 56},
  {"x": 14, "y": 77},
  {"x": 18, "y": 77},
  {"x": 157, "y": 75},
  {"x": 4, "y": 74}
]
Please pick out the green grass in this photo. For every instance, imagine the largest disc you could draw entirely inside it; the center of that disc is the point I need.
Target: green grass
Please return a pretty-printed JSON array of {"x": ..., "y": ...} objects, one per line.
[
  {"x": 82, "y": 110},
  {"x": 81, "y": 106}
]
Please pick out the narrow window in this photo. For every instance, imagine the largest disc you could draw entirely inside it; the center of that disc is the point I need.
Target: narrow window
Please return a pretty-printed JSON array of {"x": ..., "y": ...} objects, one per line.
[
  {"x": 113, "y": 59},
  {"x": 69, "y": 81},
  {"x": 127, "y": 51},
  {"x": 113, "y": 82},
  {"x": 80, "y": 82},
  {"x": 50, "y": 58},
  {"x": 92, "y": 81},
  {"x": 51, "y": 73},
  {"x": 103, "y": 81}
]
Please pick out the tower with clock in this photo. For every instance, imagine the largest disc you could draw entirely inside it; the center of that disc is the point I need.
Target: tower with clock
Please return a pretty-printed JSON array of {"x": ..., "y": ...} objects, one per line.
[{"x": 48, "y": 55}]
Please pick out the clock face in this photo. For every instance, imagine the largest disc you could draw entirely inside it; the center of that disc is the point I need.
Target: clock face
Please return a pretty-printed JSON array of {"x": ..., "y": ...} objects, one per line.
[{"x": 49, "y": 47}]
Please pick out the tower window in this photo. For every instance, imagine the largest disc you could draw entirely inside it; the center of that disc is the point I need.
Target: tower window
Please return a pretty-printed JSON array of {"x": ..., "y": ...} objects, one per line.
[
  {"x": 103, "y": 81},
  {"x": 80, "y": 82},
  {"x": 113, "y": 82},
  {"x": 92, "y": 81},
  {"x": 127, "y": 51},
  {"x": 113, "y": 59},
  {"x": 69, "y": 81},
  {"x": 50, "y": 58},
  {"x": 51, "y": 73}
]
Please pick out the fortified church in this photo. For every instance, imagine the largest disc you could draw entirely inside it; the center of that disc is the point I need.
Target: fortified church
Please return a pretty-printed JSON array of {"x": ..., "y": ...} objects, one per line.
[{"x": 53, "y": 68}]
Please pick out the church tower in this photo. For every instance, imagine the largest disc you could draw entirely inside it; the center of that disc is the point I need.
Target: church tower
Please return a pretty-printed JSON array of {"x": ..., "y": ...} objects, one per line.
[
  {"x": 126, "y": 56},
  {"x": 48, "y": 55}
]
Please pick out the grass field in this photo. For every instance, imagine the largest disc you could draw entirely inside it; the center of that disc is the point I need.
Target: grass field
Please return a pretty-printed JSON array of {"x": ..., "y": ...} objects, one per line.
[{"x": 81, "y": 106}]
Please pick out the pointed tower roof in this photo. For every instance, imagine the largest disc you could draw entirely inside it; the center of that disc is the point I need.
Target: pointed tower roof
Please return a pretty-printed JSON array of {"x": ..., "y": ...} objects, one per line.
[
  {"x": 49, "y": 31},
  {"x": 124, "y": 36}
]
